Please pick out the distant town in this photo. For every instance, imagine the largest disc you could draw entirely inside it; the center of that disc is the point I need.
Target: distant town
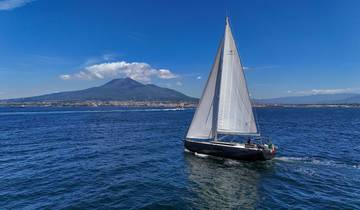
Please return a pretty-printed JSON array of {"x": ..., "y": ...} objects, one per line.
[{"x": 159, "y": 104}]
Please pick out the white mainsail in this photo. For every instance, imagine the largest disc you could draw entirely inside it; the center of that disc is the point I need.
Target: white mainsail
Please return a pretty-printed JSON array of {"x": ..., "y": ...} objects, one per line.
[
  {"x": 235, "y": 115},
  {"x": 225, "y": 105}
]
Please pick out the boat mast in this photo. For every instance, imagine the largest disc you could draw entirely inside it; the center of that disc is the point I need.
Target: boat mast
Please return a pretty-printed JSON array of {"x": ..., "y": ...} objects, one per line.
[
  {"x": 217, "y": 90},
  {"x": 216, "y": 103}
]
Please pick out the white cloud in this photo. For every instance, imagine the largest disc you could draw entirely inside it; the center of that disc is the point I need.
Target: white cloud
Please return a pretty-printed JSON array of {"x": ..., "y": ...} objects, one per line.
[
  {"x": 138, "y": 71},
  {"x": 198, "y": 77},
  {"x": 247, "y": 68},
  {"x": 331, "y": 91},
  {"x": 12, "y": 4},
  {"x": 178, "y": 83},
  {"x": 166, "y": 74},
  {"x": 109, "y": 56},
  {"x": 325, "y": 91}
]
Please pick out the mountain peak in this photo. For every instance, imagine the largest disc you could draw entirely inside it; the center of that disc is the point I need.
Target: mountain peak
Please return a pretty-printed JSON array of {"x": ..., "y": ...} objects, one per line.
[{"x": 126, "y": 82}]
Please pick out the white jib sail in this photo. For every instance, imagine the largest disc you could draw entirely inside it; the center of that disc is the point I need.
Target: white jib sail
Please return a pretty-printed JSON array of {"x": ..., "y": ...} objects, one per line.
[
  {"x": 235, "y": 115},
  {"x": 201, "y": 125}
]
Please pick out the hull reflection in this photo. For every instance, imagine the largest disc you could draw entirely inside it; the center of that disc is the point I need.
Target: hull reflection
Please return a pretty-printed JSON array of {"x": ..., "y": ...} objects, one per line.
[{"x": 224, "y": 183}]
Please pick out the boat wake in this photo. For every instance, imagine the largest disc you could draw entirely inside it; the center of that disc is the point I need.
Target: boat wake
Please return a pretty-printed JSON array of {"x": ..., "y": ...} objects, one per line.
[
  {"x": 288, "y": 159},
  {"x": 319, "y": 162},
  {"x": 230, "y": 162},
  {"x": 201, "y": 155},
  {"x": 186, "y": 150}
]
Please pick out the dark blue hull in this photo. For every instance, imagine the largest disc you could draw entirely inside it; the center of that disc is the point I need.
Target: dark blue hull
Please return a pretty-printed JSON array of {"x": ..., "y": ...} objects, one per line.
[{"x": 228, "y": 150}]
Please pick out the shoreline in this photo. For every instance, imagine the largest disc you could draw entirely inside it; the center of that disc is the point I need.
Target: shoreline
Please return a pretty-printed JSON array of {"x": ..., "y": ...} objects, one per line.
[
  {"x": 307, "y": 105},
  {"x": 155, "y": 104},
  {"x": 158, "y": 104}
]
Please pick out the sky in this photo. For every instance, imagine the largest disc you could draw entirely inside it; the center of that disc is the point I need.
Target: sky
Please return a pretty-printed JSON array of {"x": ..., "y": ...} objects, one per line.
[{"x": 287, "y": 47}]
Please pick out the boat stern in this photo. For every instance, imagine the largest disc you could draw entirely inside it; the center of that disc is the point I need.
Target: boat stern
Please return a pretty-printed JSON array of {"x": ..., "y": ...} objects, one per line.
[{"x": 269, "y": 151}]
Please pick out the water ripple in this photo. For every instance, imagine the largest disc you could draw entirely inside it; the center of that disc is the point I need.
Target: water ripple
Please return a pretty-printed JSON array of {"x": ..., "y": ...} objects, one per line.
[{"x": 112, "y": 158}]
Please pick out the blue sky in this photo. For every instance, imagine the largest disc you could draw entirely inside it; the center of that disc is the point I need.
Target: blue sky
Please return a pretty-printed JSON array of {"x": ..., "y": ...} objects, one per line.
[{"x": 289, "y": 47}]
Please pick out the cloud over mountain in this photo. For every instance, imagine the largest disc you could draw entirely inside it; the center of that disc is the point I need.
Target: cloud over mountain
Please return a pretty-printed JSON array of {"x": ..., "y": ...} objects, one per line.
[{"x": 138, "y": 71}]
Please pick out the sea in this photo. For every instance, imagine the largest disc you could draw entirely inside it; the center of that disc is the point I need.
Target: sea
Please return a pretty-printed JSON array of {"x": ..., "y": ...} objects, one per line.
[{"x": 134, "y": 158}]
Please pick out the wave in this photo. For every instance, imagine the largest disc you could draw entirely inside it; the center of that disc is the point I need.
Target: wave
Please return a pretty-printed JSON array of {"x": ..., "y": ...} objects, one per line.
[
  {"x": 356, "y": 166},
  {"x": 90, "y": 111},
  {"x": 230, "y": 162},
  {"x": 315, "y": 161},
  {"x": 288, "y": 159}
]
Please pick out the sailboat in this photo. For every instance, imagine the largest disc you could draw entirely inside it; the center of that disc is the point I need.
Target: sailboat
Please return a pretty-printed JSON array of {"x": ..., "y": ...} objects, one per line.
[{"x": 225, "y": 109}]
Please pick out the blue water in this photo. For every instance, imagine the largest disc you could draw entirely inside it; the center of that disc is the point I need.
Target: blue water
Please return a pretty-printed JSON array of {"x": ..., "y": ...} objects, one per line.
[{"x": 103, "y": 158}]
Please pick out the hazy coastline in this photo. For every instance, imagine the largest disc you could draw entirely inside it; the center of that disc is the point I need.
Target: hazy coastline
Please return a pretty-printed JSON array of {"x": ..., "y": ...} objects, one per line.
[{"x": 159, "y": 104}]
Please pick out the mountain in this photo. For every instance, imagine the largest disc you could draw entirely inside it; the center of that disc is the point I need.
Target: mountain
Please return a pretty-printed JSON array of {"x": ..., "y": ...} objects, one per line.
[
  {"x": 344, "y": 98},
  {"x": 122, "y": 89}
]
